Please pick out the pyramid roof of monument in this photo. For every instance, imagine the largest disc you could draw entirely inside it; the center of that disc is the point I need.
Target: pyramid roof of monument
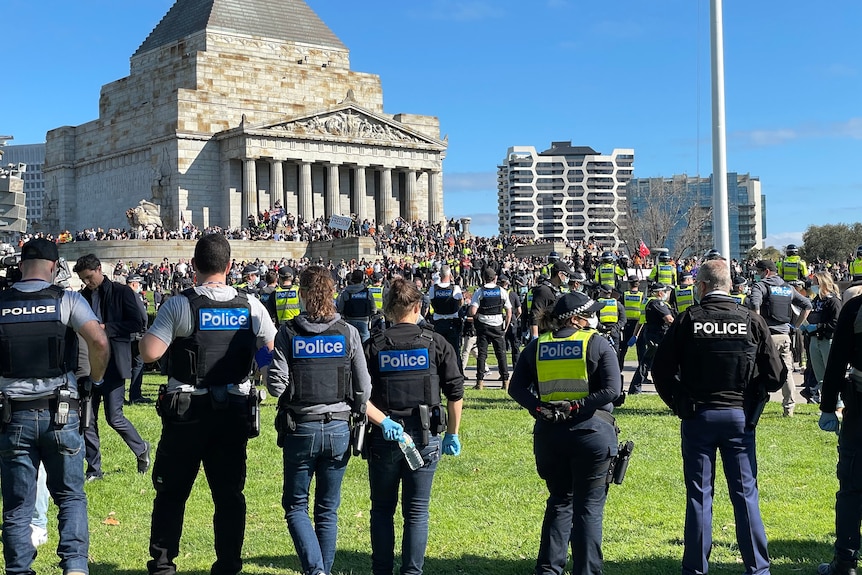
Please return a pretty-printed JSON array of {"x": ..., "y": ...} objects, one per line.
[{"x": 284, "y": 20}]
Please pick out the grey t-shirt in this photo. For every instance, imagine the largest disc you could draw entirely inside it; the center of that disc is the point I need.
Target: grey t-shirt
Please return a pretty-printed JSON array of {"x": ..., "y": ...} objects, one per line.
[
  {"x": 75, "y": 312},
  {"x": 175, "y": 320}
]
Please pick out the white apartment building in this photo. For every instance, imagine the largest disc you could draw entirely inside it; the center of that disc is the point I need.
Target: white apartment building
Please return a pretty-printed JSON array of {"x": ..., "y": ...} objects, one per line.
[
  {"x": 564, "y": 193},
  {"x": 34, "y": 180}
]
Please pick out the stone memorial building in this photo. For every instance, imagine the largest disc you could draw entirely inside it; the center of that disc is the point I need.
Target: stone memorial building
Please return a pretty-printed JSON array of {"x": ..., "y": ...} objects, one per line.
[{"x": 232, "y": 107}]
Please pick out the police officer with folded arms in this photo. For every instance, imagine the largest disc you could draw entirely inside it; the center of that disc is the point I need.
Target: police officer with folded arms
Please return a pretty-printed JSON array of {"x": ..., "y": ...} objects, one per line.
[
  {"x": 846, "y": 351},
  {"x": 714, "y": 369},
  {"x": 210, "y": 334},
  {"x": 568, "y": 379},
  {"x": 410, "y": 367},
  {"x": 446, "y": 298},
  {"x": 774, "y": 300},
  {"x": 39, "y": 418},
  {"x": 319, "y": 374}
]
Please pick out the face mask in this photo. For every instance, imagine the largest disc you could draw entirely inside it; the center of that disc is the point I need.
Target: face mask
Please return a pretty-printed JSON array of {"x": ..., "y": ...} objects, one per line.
[
  {"x": 593, "y": 322},
  {"x": 137, "y": 289},
  {"x": 815, "y": 289}
]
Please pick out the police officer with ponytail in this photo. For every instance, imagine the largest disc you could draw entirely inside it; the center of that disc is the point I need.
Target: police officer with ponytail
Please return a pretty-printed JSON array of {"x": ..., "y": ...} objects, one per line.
[
  {"x": 210, "y": 334},
  {"x": 715, "y": 369},
  {"x": 319, "y": 374},
  {"x": 568, "y": 379},
  {"x": 410, "y": 368}
]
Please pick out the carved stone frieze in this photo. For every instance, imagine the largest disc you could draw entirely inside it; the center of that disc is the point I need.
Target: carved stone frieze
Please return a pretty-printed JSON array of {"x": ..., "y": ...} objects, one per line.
[{"x": 348, "y": 124}]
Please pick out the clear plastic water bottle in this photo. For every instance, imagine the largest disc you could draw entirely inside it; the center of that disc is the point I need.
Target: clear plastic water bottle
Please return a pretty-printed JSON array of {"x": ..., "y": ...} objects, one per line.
[{"x": 411, "y": 454}]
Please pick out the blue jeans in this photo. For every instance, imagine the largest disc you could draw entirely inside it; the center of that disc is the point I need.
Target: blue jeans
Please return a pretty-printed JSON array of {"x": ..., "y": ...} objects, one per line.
[
  {"x": 573, "y": 459},
  {"x": 361, "y": 326},
  {"x": 721, "y": 430},
  {"x": 315, "y": 449},
  {"x": 387, "y": 469},
  {"x": 30, "y": 438}
]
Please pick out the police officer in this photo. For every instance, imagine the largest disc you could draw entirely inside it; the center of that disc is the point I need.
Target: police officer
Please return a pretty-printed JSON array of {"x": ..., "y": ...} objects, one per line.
[
  {"x": 739, "y": 291},
  {"x": 410, "y": 367},
  {"x": 552, "y": 258},
  {"x": 250, "y": 281},
  {"x": 846, "y": 351},
  {"x": 319, "y": 374},
  {"x": 773, "y": 299},
  {"x": 284, "y": 305},
  {"x": 714, "y": 369},
  {"x": 568, "y": 379},
  {"x": 656, "y": 317},
  {"x": 40, "y": 396},
  {"x": 608, "y": 272},
  {"x": 546, "y": 293},
  {"x": 213, "y": 331},
  {"x": 855, "y": 267},
  {"x": 356, "y": 304},
  {"x": 612, "y": 318},
  {"x": 511, "y": 335},
  {"x": 446, "y": 298},
  {"x": 492, "y": 314},
  {"x": 682, "y": 296},
  {"x": 633, "y": 301},
  {"x": 792, "y": 267},
  {"x": 376, "y": 288},
  {"x": 266, "y": 293},
  {"x": 664, "y": 272}
]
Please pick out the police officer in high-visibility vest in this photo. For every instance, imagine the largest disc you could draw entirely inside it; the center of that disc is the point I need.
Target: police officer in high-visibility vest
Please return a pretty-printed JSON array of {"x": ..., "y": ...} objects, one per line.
[
  {"x": 656, "y": 317},
  {"x": 553, "y": 258},
  {"x": 774, "y": 299},
  {"x": 410, "y": 367},
  {"x": 376, "y": 289},
  {"x": 40, "y": 397},
  {"x": 739, "y": 291},
  {"x": 568, "y": 379},
  {"x": 446, "y": 298},
  {"x": 633, "y": 301},
  {"x": 250, "y": 281},
  {"x": 356, "y": 304},
  {"x": 320, "y": 376},
  {"x": 855, "y": 267},
  {"x": 608, "y": 272},
  {"x": 612, "y": 317},
  {"x": 664, "y": 272},
  {"x": 285, "y": 301},
  {"x": 683, "y": 296},
  {"x": 792, "y": 267},
  {"x": 210, "y": 334},
  {"x": 715, "y": 369}
]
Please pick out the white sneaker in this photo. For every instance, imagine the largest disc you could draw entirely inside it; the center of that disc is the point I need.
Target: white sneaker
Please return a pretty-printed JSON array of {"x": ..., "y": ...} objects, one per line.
[{"x": 38, "y": 535}]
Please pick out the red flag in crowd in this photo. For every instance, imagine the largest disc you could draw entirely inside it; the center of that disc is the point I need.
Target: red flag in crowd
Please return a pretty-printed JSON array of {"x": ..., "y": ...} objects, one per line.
[{"x": 643, "y": 250}]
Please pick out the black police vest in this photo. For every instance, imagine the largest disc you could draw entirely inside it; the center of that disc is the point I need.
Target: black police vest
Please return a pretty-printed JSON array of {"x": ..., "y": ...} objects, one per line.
[
  {"x": 358, "y": 304},
  {"x": 34, "y": 342},
  {"x": 221, "y": 348},
  {"x": 719, "y": 353},
  {"x": 777, "y": 301},
  {"x": 266, "y": 294},
  {"x": 407, "y": 372},
  {"x": 491, "y": 302},
  {"x": 319, "y": 363},
  {"x": 443, "y": 302},
  {"x": 654, "y": 313}
]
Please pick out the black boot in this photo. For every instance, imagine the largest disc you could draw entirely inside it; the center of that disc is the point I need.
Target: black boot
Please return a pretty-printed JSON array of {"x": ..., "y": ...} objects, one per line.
[{"x": 837, "y": 567}]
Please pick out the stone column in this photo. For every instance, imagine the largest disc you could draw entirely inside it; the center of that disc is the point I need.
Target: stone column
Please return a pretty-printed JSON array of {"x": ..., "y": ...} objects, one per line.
[
  {"x": 249, "y": 189},
  {"x": 359, "y": 191},
  {"x": 276, "y": 183},
  {"x": 385, "y": 202},
  {"x": 434, "y": 208},
  {"x": 305, "y": 204},
  {"x": 333, "y": 189},
  {"x": 410, "y": 195},
  {"x": 228, "y": 217}
]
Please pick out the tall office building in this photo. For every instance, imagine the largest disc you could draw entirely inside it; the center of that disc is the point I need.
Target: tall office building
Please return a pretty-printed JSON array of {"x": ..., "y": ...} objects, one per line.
[
  {"x": 681, "y": 193},
  {"x": 564, "y": 193},
  {"x": 34, "y": 180}
]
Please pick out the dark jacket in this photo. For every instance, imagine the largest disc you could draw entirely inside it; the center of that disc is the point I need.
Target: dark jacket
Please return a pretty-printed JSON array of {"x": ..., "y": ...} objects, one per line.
[{"x": 121, "y": 315}]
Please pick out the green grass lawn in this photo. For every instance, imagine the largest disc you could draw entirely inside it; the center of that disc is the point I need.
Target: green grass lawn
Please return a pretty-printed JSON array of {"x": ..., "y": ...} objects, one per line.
[{"x": 487, "y": 504}]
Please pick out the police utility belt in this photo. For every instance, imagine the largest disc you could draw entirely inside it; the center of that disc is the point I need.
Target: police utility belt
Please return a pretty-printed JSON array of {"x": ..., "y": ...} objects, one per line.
[{"x": 60, "y": 404}]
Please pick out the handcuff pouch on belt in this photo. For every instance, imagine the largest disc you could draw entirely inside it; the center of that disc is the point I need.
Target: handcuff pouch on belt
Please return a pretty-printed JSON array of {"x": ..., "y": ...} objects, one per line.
[{"x": 175, "y": 405}]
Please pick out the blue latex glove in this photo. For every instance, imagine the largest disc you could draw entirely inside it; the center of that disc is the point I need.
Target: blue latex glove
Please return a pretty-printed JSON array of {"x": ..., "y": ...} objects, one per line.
[
  {"x": 828, "y": 422},
  {"x": 392, "y": 431},
  {"x": 632, "y": 340},
  {"x": 811, "y": 327},
  {"x": 263, "y": 357},
  {"x": 451, "y": 444}
]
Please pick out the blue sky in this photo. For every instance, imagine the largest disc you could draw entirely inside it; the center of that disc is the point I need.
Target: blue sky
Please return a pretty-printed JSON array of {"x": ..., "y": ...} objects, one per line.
[{"x": 499, "y": 73}]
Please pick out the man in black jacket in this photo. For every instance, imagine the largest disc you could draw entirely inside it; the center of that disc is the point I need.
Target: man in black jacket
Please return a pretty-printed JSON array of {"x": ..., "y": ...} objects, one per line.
[{"x": 119, "y": 313}]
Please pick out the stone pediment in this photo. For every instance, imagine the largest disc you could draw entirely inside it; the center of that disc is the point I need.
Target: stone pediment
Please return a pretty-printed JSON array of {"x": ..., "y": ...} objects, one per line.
[{"x": 351, "y": 123}]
